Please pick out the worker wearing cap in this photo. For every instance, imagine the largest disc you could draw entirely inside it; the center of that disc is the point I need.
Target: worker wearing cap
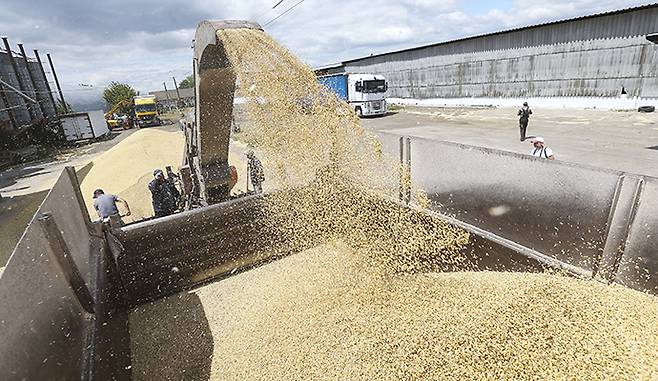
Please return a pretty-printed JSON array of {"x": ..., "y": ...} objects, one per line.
[
  {"x": 105, "y": 205},
  {"x": 524, "y": 116},
  {"x": 164, "y": 194},
  {"x": 540, "y": 150},
  {"x": 256, "y": 173}
]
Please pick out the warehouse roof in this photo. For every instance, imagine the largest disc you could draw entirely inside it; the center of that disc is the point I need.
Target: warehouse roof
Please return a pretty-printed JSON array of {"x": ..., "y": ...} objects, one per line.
[
  {"x": 162, "y": 96},
  {"x": 610, "y": 13}
]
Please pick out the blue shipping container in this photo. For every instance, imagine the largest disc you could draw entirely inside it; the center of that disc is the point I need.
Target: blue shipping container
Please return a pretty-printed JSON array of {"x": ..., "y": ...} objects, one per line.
[{"x": 336, "y": 83}]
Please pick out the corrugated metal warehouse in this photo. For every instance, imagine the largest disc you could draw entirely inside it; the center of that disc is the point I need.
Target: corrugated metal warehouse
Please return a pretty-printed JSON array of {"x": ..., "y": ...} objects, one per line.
[
  {"x": 169, "y": 99},
  {"x": 588, "y": 56},
  {"x": 26, "y": 75}
]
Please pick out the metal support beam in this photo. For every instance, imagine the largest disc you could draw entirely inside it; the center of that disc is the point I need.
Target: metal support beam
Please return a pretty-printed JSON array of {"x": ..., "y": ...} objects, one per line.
[
  {"x": 45, "y": 79},
  {"x": 407, "y": 168},
  {"x": 177, "y": 92},
  {"x": 32, "y": 80},
  {"x": 401, "y": 179},
  {"x": 194, "y": 63},
  {"x": 166, "y": 92},
  {"x": 8, "y": 106},
  {"x": 17, "y": 91},
  {"x": 14, "y": 66},
  {"x": 60, "y": 254},
  {"x": 59, "y": 88}
]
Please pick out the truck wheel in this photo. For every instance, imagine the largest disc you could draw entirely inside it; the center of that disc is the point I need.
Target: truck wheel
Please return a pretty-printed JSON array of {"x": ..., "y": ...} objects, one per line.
[{"x": 358, "y": 111}]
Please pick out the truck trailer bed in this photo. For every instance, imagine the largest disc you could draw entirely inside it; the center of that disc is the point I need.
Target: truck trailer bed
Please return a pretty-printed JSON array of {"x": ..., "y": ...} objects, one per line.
[{"x": 332, "y": 313}]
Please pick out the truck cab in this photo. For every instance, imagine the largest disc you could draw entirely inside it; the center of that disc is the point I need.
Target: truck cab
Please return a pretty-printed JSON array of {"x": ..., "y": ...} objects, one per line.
[
  {"x": 146, "y": 112},
  {"x": 366, "y": 93}
]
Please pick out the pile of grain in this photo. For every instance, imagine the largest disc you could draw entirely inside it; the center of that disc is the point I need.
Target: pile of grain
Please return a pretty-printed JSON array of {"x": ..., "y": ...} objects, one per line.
[
  {"x": 328, "y": 314},
  {"x": 307, "y": 137},
  {"x": 127, "y": 168},
  {"x": 334, "y": 313}
]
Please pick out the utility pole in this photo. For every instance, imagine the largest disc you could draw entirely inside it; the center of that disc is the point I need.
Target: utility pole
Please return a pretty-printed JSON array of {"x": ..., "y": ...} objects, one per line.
[
  {"x": 167, "y": 94},
  {"x": 34, "y": 83},
  {"x": 21, "y": 85},
  {"x": 45, "y": 80},
  {"x": 177, "y": 92},
  {"x": 59, "y": 88}
]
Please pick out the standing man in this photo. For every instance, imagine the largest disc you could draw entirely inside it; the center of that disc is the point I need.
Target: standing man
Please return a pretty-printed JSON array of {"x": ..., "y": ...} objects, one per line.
[
  {"x": 256, "y": 173},
  {"x": 105, "y": 205},
  {"x": 164, "y": 194},
  {"x": 540, "y": 150},
  {"x": 524, "y": 115}
]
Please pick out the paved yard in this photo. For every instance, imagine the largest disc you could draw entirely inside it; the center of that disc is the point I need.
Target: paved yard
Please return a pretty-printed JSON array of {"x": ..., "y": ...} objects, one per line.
[{"x": 626, "y": 141}]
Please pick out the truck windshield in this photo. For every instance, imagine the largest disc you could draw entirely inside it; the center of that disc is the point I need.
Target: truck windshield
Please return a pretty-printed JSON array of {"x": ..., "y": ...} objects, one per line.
[
  {"x": 145, "y": 108},
  {"x": 376, "y": 86}
]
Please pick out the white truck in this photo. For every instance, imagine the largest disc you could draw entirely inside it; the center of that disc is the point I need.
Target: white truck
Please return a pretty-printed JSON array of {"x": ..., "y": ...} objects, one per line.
[{"x": 366, "y": 93}]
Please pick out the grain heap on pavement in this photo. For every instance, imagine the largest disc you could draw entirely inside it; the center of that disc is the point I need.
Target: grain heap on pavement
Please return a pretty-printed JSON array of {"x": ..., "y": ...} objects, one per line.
[
  {"x": 365, "y": 300},
  {"x": 127, "y": 168}
]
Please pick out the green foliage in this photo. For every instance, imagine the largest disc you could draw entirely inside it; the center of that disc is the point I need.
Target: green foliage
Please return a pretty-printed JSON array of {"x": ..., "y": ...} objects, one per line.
[
  {"x": 187, "y": 83},
  {"x": 63, "y": 108},
  {"x": 116, "y": 93}
]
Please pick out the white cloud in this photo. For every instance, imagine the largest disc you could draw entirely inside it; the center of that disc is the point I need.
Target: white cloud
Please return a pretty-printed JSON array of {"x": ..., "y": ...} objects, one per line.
[{"x": 146, "y": 42}]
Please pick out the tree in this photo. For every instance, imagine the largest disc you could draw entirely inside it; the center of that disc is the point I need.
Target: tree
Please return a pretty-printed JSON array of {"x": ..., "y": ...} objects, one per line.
[
  {"x": 187, "y": 83},
  {"x": 63, "y": 108},
  {"x": 118, "y": 92}
]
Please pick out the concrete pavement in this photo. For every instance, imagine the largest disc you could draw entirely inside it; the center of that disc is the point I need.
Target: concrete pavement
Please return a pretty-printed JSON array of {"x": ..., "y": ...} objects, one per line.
[{"x": 626, "y": 141}]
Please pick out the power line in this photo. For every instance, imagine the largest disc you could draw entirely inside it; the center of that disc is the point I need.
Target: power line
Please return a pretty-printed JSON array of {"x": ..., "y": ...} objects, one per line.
[
  {"x": 283, "y": 14},
  {"x": 269, "y": 9}
]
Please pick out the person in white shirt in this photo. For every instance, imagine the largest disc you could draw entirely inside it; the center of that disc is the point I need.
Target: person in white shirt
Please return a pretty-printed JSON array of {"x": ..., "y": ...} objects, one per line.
[{"x": 540, "y": 150}]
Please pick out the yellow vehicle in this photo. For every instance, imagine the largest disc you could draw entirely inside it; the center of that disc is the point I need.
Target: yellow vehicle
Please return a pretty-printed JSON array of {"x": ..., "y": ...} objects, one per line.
[
  {"x": 146, "y": 112},
  {"x": 115, "y": 121}
]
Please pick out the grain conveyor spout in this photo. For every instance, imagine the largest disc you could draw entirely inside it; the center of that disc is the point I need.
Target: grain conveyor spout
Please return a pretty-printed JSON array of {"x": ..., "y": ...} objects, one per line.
[{"x": 207, "y": 142}]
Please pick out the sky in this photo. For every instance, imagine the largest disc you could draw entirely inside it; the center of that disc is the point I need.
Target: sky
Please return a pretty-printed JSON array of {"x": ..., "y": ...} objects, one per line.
[{"x": 147, "y": 42}]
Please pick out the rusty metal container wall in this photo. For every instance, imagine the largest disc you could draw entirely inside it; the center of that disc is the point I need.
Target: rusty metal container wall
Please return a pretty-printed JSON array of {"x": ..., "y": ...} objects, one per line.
[{"x": 42, "y": 324}]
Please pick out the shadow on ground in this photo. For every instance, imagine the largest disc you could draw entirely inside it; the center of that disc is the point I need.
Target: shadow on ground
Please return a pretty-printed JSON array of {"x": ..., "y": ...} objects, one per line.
[
  {"x": 11, "y": 176},
  {"x": 170, "y": 339},
  {"x": 15, "y": 214}
]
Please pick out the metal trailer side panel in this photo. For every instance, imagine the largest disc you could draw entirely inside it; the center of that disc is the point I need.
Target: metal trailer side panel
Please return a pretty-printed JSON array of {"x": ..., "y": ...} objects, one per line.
[
  {"x": 637, "y": 265},
  {"x": 586, "y": 220},
  {"x": 98, "y": 123},
  {"x": 77, "y": 127},
  {"x": 43, "y": 326}
]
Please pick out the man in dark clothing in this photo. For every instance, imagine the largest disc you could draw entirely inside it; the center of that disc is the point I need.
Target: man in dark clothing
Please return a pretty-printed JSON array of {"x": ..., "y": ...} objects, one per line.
[
  {"x": 256, "y": 174},
  {"x": 524, "y": 115},
  {"x": 164, "y": 193}
]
